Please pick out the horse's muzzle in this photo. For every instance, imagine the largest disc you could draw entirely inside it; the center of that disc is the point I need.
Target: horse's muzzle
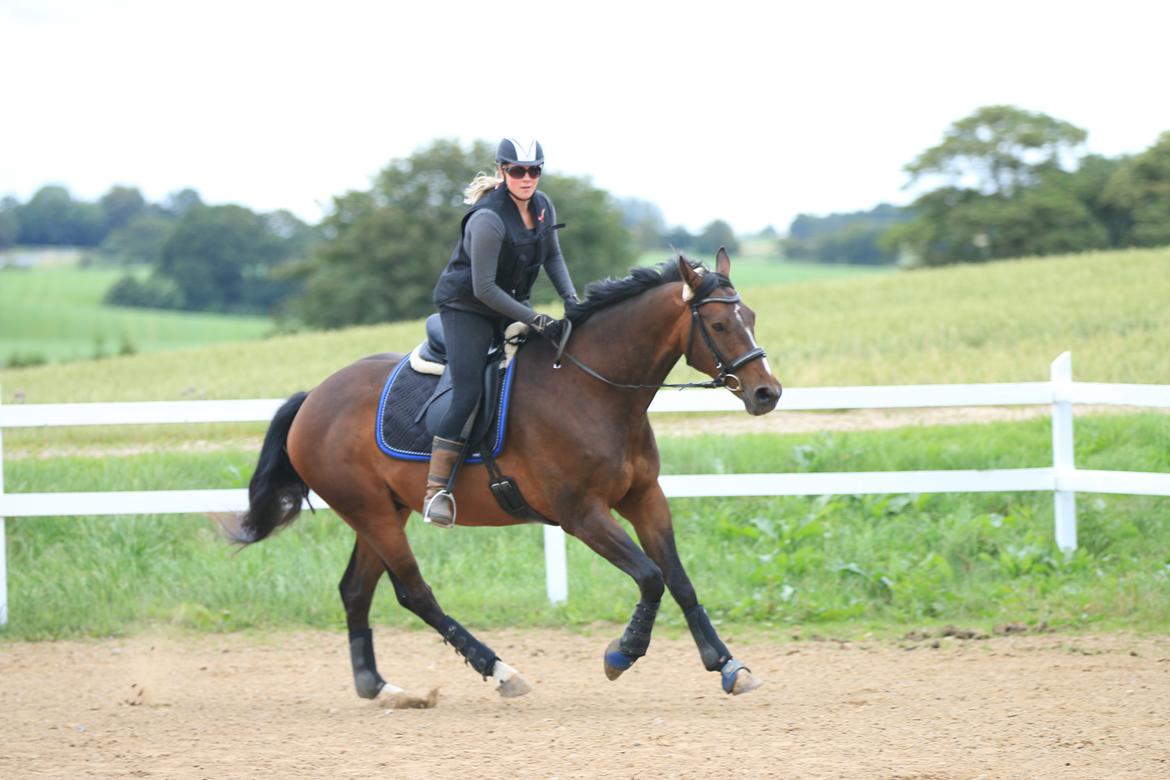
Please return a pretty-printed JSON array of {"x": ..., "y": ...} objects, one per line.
[{"x": 762, "y": 399}]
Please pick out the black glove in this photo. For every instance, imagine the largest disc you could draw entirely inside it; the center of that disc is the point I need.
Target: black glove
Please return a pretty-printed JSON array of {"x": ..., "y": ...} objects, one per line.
[{"x": 548, "y": 327}]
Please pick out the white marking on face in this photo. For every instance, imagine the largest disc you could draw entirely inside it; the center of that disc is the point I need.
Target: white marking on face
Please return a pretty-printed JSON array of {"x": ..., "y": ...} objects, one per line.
[{"x": 751, "y": 337}]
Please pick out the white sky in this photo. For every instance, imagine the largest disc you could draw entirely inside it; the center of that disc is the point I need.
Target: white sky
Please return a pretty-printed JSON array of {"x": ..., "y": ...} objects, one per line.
[{"x": 745, "y": 111}]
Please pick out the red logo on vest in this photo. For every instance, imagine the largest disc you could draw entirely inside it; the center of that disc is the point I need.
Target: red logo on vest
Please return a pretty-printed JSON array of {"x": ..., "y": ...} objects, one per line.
[{"x": 541, "y": 217}]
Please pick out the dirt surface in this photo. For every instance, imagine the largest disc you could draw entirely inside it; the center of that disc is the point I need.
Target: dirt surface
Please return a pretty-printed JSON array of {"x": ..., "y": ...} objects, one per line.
[{"x": 282, "y": 706}]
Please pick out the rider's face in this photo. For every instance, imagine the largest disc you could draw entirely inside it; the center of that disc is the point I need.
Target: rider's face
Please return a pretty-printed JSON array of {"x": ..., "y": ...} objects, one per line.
[{"x": 523, "y": 187}]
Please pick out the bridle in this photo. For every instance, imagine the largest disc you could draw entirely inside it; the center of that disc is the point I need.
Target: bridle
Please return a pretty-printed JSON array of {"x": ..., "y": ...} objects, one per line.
[{"x": 726, "y": 369}]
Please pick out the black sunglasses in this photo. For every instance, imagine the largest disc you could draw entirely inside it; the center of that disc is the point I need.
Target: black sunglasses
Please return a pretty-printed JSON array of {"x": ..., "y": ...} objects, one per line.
[{"x": 518, "y": 171}]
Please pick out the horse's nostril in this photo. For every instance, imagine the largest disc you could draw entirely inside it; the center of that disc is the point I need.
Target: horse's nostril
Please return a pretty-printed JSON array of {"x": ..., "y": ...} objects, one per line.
[{"x": 766, "y": 395}]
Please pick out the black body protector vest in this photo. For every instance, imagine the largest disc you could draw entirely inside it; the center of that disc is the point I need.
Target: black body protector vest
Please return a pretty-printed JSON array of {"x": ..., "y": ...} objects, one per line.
[{"x": 522, "y": 253}]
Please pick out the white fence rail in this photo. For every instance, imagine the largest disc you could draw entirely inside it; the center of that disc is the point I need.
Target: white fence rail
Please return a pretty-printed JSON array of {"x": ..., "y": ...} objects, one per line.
[{"x": 1063, "y": 479}]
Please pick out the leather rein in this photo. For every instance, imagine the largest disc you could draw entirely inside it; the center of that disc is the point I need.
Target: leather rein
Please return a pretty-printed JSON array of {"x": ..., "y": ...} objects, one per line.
[{"x": 726, "y": 368}]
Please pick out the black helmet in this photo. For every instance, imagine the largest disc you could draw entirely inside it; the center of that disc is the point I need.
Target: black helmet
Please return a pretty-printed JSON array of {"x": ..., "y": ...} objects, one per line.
[{"x": 512, "y": 150}]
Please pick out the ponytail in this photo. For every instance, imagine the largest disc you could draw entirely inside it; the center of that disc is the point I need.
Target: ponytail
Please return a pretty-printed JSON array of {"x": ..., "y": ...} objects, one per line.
[{"x": 481, "y": 185}]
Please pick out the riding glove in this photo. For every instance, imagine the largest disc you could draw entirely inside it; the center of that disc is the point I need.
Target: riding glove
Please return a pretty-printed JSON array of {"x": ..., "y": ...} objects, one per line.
[{"x": 548, "y": 327}]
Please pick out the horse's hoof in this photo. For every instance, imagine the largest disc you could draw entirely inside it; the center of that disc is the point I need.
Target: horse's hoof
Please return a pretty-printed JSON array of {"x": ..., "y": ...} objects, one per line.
[
  {"x": 616, "y": 661},
  {"x": 511, "y": 684},
  {"x": 513, "y": 687},
  {"x": 738, "y": 679},
  {"x": 391, "y": 697}
]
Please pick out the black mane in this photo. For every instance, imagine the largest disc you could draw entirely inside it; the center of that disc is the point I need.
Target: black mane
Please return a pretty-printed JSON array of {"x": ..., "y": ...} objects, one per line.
[{"x": 605, "y": 293}]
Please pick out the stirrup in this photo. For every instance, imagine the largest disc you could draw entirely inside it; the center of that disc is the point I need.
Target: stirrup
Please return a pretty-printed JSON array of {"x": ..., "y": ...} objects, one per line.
[{"x": 440, "y": 522}]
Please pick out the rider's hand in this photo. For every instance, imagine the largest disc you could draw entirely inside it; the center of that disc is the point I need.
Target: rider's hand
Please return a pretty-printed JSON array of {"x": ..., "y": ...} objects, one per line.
[{"x": 548, "y": 327}]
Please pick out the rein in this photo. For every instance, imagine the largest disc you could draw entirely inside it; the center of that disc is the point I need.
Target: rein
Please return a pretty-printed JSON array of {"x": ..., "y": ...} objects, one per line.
[{"x": 726, "y": 368}]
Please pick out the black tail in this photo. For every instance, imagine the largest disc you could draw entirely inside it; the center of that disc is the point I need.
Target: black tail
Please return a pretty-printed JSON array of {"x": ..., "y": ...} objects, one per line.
[{"x": 276, "y": 490}]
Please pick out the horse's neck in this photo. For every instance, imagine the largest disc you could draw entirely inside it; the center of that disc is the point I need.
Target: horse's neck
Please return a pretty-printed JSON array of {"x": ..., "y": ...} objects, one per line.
[{"x": 636, "y": 341}]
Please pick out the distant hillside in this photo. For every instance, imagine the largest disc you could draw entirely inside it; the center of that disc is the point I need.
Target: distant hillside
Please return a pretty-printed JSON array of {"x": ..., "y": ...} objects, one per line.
[{"x": 981, "y": 323}]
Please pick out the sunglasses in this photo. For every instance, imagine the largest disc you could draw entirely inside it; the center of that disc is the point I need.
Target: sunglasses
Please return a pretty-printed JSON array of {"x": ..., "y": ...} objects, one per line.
[{"x": 518, "y": 171}]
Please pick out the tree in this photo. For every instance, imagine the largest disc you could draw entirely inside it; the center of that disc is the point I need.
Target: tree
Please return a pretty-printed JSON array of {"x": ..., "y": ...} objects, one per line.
[
  {"x": 844, "y": 237},
  {"x": 181, "y": 201},
  {"x": 1140, "y": 188},
  {"x": 221, "y": 258},
  {"x": 679, "y": 239},
  {"x": 53, "y": 218},
  {"x": 9, "y": 223},
  {"x": 716, "y": 234},
  {"x": 120, "y": 205},
  {"x": 999, "y": 149},
  {"x": 384, "y": 248},
  {"x": 141, "y": 240},
  {"x": 1010, "y": 188}
]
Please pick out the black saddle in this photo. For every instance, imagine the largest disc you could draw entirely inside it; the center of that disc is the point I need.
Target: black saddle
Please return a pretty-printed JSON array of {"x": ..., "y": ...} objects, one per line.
[{"x": 413, "y": 402}]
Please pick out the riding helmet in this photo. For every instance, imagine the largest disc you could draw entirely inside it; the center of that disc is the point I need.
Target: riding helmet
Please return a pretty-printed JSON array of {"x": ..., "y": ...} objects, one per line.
[{"x": 512, "y": 150}]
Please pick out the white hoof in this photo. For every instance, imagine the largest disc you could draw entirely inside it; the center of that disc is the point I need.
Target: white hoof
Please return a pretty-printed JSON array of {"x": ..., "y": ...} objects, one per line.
[
  {"x": 745, "y": 682},
  {"x": 510, "y": 683},
  {"x": 391, "y": 697}
]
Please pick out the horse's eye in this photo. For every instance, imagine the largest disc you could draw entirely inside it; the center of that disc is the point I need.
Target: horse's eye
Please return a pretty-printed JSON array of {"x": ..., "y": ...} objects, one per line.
[{"x": 718, "y": 327}]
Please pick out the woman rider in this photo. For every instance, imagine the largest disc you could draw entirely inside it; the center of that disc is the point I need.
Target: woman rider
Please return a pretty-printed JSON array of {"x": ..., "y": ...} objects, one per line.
[{"x": 509, "y": 233}]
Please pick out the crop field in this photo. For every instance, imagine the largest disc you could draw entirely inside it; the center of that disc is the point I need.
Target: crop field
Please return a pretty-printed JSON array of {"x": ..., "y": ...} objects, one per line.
[
  {"x": 1000, "y": 322},
  {"x": 55, "y": 313}
]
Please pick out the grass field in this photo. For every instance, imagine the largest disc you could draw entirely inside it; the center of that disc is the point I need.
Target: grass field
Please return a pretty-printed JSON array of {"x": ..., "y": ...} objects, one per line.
[
  {"x": 841, "y": 563},
  {"x": 56, "y": 313},
  {"x": 1000, "y": 322},
  {"x": 844, "y": 564}
]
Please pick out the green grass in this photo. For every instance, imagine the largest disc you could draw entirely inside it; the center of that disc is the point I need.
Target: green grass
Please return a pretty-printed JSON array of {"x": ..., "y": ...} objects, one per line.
[
  {"x": 883, "y": 561},
  {"x": 56, "y": 313},
  {"x": 1000, "y": 322}
]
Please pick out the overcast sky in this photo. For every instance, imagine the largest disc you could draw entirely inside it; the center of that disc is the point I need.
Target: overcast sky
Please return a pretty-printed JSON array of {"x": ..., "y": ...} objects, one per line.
[{"x": 750, "y": 112}]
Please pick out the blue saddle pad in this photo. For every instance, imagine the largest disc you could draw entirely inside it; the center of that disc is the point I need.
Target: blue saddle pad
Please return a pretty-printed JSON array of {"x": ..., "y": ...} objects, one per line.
[{"x": 403, "y": 433}]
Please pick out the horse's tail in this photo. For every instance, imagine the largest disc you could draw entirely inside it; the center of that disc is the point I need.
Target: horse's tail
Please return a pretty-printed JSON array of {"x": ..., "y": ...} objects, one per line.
[{"x": 276, "y": 490}]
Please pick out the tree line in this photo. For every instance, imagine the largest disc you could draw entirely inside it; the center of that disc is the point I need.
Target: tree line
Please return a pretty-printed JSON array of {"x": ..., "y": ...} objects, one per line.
[
  {"x": 1004, "y": 182},
  {"x": 373, "y": 258}
]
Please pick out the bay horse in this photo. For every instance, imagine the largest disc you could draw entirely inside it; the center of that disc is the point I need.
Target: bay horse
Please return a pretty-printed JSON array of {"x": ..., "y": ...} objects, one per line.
[{"x": 579, "y": 444}]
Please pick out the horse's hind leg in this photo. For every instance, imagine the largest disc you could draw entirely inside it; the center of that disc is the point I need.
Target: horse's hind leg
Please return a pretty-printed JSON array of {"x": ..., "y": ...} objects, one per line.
[
  {"x": 388, "y": 543},
  {"x": 649, "y": 513},
  {"x": 357, "y": 592}
]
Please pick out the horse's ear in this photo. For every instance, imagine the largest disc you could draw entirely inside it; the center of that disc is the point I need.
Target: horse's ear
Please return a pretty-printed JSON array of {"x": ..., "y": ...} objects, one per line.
[
  {"x": 722, "y": 263},
  {"x": 689, "y": 277}
]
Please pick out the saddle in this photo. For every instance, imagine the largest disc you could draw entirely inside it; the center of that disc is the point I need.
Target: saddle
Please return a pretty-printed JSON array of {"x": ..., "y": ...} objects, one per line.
[{"x": 417, "y": 395}]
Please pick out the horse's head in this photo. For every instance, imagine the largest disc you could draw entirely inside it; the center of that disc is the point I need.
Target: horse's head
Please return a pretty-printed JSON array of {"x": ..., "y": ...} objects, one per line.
[{"x": 726, "y": 347}]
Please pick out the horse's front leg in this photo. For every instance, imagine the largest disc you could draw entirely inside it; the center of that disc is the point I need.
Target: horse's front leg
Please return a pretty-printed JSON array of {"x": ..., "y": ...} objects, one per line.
[
  {"x": 647, "y": 509},
  {"x": 598, "y": 529}
]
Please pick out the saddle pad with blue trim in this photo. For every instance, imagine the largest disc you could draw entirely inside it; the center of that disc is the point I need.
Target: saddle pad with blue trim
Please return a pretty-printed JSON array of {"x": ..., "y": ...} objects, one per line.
[{"x": 402, "y": 432}]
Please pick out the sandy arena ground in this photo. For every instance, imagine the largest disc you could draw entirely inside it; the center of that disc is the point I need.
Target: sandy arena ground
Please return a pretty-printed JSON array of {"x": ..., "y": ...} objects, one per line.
[{"x": 282, "y": 706}]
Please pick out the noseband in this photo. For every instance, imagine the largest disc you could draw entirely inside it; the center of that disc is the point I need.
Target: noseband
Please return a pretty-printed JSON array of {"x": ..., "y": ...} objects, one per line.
[{"x": 726, "y": 369}]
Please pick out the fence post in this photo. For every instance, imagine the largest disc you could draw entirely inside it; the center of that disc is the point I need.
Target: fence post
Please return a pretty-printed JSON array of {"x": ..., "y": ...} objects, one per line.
[
  {"x": 556, "y": 569},
  {"x": 3, "y": 541},
  {"x": 1063, "y": 464}
]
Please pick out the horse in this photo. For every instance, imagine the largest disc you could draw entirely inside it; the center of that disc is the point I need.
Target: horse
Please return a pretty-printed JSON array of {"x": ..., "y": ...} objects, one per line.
[{"x": 579, "y": 445}]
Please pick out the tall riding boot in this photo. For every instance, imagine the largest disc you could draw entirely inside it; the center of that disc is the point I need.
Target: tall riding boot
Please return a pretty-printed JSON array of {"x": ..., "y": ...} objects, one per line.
[{"x": 439, "y": 503}]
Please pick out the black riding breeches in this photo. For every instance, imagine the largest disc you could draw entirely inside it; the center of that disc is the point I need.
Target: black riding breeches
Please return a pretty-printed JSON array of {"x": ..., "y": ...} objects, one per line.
[{"x": 468, "y": 336}]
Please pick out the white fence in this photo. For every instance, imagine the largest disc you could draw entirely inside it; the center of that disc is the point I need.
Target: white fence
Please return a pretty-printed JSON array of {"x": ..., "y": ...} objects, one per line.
[{"x": 1063, "y": 479}]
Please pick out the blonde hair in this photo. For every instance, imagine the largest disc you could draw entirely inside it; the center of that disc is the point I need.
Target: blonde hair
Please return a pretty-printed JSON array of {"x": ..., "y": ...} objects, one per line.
[{"x": 481, "y": 185}]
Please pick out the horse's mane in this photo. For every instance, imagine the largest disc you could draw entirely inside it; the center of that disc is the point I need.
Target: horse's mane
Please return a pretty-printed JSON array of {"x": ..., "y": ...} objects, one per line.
[{"x": 605, "y": 293}]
